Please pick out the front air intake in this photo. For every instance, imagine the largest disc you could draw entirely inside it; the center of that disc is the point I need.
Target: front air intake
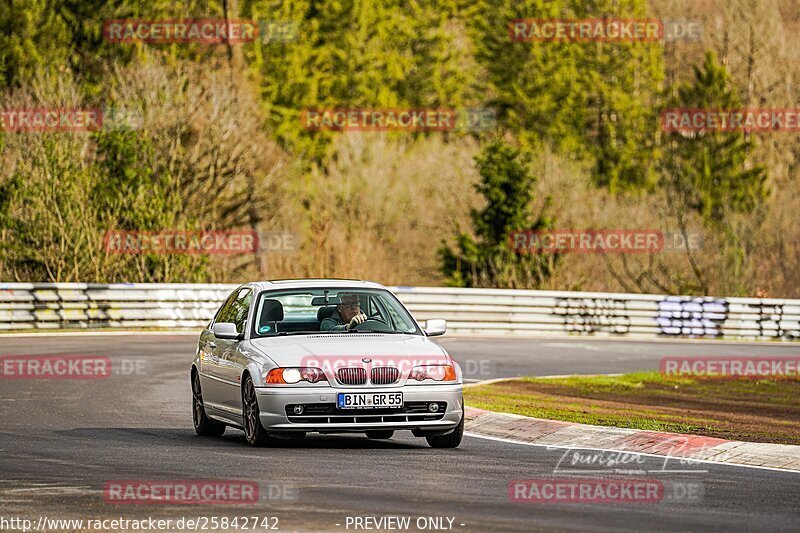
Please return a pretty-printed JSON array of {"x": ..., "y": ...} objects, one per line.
[
  {"x": 384, "y": 375},
  {"x": 352, "y": 376}
]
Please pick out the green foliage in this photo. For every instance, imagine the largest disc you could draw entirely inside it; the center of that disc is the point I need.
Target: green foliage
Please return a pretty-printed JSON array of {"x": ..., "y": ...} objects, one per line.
[
  {"x": 507, "y": 186},
  {"x": 709, "y": 169},
  {"x": 56, "y": 35},
  {"x": 45, "y": 215},
  {"x": 131, "y": 191},
  {"x": 8, "y": 224},
  {"x": 593, "y": 100},
  {"x": 351, "y": 54},
  {"x": 33, "y": 37},
  {"x": 621, "y": 85},
  {"x": 707, "y": 172},
  {"x": 56, "y": 210},
  {"x": 530, "y": 84},
  {"x": 137, "y": 194}
]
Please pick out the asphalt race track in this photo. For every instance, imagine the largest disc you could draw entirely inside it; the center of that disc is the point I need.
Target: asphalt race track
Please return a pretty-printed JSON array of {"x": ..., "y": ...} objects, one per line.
[{"x": 61, "y": 441}]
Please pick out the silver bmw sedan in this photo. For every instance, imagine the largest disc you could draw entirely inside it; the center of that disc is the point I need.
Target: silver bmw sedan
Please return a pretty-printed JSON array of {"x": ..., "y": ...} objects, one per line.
[{"x": 284, "y": 358}]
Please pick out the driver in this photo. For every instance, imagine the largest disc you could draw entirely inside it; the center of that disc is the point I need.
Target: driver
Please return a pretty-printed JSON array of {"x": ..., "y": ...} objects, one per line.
[{"x": 347, "y": 315}]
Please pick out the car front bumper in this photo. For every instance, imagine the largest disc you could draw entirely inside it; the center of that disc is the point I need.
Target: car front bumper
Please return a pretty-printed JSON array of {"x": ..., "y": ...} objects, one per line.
[{"x": 272, "y": 402}]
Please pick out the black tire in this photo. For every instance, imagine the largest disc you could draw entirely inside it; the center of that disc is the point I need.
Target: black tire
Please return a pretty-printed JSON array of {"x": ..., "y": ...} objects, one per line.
[
  {"x": 380, "y": 434},
  {"x": 451, "y": 440},
  {"x": 203, "y": 426},
  {"x": 254, "y": 432}
]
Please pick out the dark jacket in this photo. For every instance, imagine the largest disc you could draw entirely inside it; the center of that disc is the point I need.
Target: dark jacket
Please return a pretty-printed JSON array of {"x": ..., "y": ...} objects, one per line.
[{"x": 333, "y": 323}]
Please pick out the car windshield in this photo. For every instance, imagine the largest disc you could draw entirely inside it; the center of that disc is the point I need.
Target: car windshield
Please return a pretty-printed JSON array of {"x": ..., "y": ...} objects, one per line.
[{"x": 329, "y": 311}]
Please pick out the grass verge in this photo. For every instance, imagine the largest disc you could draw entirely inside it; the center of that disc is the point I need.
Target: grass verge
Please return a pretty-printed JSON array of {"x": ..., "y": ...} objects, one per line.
[{"x": 745, "y": 409}]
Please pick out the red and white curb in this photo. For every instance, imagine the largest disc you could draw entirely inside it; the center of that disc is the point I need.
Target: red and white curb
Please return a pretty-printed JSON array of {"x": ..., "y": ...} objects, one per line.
[{"x": 555, "y": 433}]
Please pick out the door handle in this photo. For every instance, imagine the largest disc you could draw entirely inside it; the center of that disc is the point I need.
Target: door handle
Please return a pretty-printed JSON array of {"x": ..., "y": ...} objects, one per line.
[{"x": 211, "y": 344}]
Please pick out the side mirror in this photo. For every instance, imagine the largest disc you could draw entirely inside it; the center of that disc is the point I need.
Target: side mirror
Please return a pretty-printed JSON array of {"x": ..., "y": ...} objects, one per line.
[
  {"x": 435, "y": 327},
  {"x": 225, "y": 330}
]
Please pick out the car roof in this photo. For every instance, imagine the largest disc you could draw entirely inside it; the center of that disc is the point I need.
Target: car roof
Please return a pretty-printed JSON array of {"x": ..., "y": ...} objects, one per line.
[{"x": 314, "y": 283}]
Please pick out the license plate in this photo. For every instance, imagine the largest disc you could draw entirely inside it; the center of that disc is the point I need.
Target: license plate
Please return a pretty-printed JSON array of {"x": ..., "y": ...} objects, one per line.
[{"x": 370, "y": 400}]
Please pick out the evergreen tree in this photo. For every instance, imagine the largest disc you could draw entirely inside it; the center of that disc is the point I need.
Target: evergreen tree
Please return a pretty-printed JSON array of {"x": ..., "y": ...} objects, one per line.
[
  {"x": 620, "y": 84},
  {"x": 491, "y": 261},
  {"x": 354, "y": 54},
  {"x": 591, "y": 99},
  {"x": 707, "y": 171},
  {"x": 709, "y": 168}
]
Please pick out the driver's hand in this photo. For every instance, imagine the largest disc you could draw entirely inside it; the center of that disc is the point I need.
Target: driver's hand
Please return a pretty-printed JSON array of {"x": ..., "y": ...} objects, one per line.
[{"x": 360, "y": 318}]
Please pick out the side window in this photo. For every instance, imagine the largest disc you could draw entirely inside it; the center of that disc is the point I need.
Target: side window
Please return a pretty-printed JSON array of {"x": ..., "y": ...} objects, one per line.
[
  {"x": 397, "y": 320},
  {"x": 236, "y": 308},
  {"x": 373, "y": 309},
  {"x": 225, "y": 312},
  {"x": 242, "y": 305}
]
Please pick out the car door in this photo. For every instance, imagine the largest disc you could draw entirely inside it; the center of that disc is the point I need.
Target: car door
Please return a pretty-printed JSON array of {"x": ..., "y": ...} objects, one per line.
[
  {"x": 231, "y": 360},
  {"x": 211, "y": 373}
]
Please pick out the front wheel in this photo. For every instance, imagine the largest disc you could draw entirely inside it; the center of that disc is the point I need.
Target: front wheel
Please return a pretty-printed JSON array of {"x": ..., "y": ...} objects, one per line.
[
  {"x": 451, "y": 440},
  {"x": 251, "y": 421},
  {"x": 203, "y": 426}
]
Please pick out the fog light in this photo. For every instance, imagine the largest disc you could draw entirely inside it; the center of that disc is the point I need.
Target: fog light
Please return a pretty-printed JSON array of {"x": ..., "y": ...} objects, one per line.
[
  {"x": 433, "y": 407},
  {"x": 298, "y": 409}
]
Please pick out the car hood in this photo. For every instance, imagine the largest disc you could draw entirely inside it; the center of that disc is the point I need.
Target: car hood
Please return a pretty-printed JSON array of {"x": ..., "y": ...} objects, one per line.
[{"x": 336, "y": 350}]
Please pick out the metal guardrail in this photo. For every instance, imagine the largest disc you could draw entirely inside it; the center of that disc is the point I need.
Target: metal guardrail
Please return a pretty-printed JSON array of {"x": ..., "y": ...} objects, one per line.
[{"x": 48, "y": 306}]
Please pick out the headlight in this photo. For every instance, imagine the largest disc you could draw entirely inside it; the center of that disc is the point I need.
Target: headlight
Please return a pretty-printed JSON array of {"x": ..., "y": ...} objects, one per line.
[
  {"x": 434, "y": 372},
  {"x": 291, "y": 375},
  {"x": 294, "y": 375}
]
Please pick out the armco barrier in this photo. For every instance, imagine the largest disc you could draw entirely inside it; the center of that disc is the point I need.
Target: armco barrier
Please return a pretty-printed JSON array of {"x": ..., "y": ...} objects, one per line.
[{"x": 42, "y": 306}]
